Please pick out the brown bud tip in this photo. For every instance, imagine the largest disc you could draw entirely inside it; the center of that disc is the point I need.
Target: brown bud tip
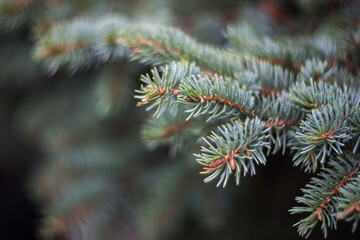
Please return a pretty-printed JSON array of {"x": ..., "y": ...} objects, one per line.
[
  {"x": 208, "y": 169},
  {"x": 319, "y": 216},
  {"x": 134, "y": 50},
  {"x": 188, "y": 99},
  {"x": 232, "y": 163},
  {"x": 176, "y": 52},
  {"x": 357, "y": 207},
  {"x": 46, "y": 52}
]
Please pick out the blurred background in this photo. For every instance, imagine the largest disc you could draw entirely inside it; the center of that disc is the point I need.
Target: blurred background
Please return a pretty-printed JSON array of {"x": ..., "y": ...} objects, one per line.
[{"x": 73, "y": 163}]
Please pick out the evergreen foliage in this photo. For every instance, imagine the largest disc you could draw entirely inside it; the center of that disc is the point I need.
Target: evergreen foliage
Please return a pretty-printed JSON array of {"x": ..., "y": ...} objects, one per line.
[
  {"x": 260, "y": 95},
  {"x": 238, "y": 148},
  {"x": 319, "y": 194}
]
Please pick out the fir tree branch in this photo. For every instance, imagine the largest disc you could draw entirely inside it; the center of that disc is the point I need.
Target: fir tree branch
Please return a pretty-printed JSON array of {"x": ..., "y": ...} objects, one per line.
[
  {"x": 174, "y": 131},
  {"x": 161, "y": 90},
  {"x": 353, "y": 207},
  {"x": 316, "y": 70},
  {"x": 281, "y": 116},
  {"x": 283, "y": 53},
  {"x": 271, "y": 78},
  {"x": 348, "y": 202},
  {"x": 319, "y": 194},
  {"x": 317, "y": 95},
  {"x": 238, "y": 148},
  {"x": 324, "y": 131},
  {"x": 80, "y": 42},
  {"x": 263, "y": 85},
  {"x": 216, "y": 97},
  {"x": 161, "y": 44},
  {"x": 354, "y": 121}
]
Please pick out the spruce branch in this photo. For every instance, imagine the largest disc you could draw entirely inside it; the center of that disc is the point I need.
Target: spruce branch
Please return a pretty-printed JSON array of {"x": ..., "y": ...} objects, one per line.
[
  {"x": 175, "y": 131},
  {"x": 324, "y": 131},
  {"x": 272, "y": 79},
  {"x": 75, "y": 43},
  {"x": 317, "y": 95},
  {"x": 348, "y": 202},
  {"x": 279, "y": 52},
  {"x": 161, "y": 90},
  {"x": 80, "y": 42},
  {"x": 248, "y": 80},
  {"x": 316, "y": 70},
  {"x": 292, "y": 53},
  {"x": 263, "y": 85},
  {"x": 161, "y": 44},
  {"x": 354, "y": 121},
  {"x": 237, "y": 147},
  {"x": 217, "y": 97},
  {"x": 354, "y": 95},
  {"x": 281, "y": 116},
  {"x": 320, "y": 193},
  {"x": 338, "y": 48}
]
